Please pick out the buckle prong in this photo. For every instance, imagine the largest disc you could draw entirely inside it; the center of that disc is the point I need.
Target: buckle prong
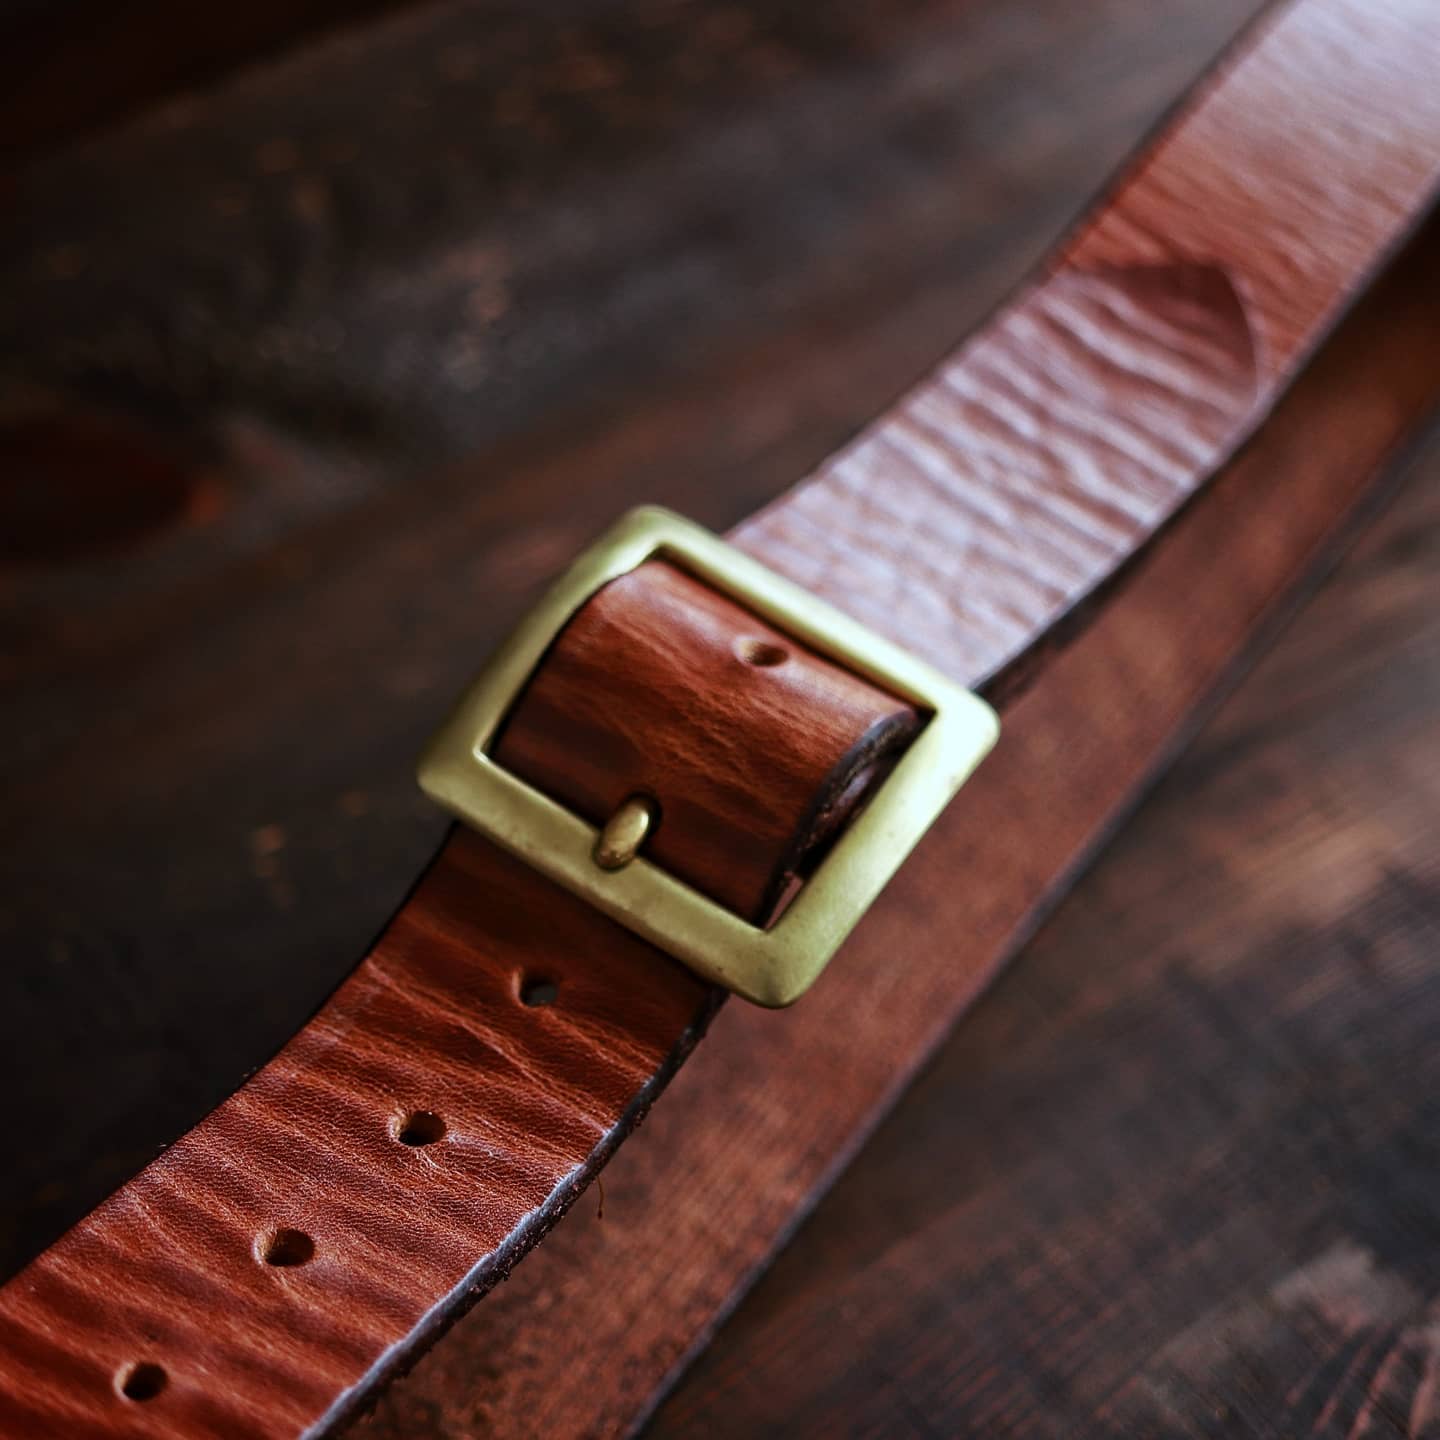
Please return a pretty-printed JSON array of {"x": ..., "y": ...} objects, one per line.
[{"x": 619, "y": 842}]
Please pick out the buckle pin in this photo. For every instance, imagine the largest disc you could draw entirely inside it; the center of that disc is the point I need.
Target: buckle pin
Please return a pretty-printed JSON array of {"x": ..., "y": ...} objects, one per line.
[{"x": 619, "y": 841}]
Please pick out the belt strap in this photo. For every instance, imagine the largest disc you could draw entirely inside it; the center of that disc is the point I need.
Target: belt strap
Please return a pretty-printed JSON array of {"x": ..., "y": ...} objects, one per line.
[{"x": 481, "y": 1064}]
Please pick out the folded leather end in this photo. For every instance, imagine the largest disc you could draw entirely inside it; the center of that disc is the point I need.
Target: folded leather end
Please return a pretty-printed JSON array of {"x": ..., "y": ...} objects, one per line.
[{"x": 756, "y": 750}]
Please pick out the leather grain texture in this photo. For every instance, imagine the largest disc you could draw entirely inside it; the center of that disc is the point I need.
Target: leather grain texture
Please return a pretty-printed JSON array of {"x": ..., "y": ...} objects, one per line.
[
  {"x": 313, "y": 1232},
  {"x": 441, "y": 1112},
  {"x": 1001, "y": 491},
  {"x": 755, "y": 748}
]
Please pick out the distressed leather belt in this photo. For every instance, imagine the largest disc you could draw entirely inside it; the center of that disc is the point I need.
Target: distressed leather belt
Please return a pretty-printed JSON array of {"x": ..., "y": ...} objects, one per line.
[{"x": 717, "y": 754}]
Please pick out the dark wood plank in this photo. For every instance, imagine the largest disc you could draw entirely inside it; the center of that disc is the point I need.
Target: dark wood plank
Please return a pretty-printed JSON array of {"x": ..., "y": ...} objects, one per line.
[
  {"x": 208, "y": 736},
  {"x": 1175, "y": 1175},
  {"x": 70, "y": 67},
  {"x": 1175, "y": 1178}
]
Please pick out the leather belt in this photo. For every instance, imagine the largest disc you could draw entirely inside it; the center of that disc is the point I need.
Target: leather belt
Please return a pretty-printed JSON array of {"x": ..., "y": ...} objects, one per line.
[{"x": 458, "y": 1091}]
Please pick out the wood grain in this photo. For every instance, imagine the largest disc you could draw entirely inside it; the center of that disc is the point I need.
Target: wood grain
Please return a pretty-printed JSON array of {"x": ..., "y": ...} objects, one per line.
[
  {"x": 206, "y": 1227},
  {"x": 1344, "y": 1301},
  {"x": 266, "y": 846},
  {"x": 71, "y": 68},
  {"x": 268, "y": 829}
]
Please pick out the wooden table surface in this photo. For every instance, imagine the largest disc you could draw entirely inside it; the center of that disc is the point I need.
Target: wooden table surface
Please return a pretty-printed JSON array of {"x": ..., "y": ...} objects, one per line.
[{"x": 362, "y": 375}]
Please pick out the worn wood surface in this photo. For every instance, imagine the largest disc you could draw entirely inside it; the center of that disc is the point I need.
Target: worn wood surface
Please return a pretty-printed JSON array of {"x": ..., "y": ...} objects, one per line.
[
  {"x": 210, "y": 721},
  {"x": 1175, "y": 1178},
  {"x": 1176, "y": 1174}
]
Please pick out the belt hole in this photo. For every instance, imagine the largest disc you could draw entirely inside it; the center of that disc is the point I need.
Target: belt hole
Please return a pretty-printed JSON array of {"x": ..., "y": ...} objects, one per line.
[
  {"x": 536, "y": 990},
  {"x": 762, "y": 653},
  {"x": 141, "y": 1381},
  {"x": 419, "y": 1127},
  {"x": 285, "y": 1247}
]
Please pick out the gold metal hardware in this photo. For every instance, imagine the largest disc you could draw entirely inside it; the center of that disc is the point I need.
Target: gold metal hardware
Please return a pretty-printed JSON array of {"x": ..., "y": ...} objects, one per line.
[
  {"x": 771, "y": 967},
  {"x": 624, "y": 833}
]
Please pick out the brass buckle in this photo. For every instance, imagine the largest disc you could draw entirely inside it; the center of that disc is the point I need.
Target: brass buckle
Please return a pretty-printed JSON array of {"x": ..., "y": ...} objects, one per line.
[{"x": 773, "y": 966}]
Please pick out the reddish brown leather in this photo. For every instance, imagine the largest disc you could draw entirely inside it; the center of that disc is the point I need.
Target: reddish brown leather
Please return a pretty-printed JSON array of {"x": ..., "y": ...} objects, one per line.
[
  {"x": 533, "y": 1098},
  {"x": 756, "y": 748},
  {"x": 1005, "y": 488},
  {"x": 1050, "y": 449}
]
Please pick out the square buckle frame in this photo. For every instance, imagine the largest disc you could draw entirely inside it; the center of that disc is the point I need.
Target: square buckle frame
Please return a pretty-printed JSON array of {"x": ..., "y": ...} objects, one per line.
[{"x": 773, "y": 966}]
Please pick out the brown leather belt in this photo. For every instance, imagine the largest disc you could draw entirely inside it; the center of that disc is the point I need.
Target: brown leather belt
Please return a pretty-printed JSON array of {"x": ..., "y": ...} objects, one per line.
[{"x": 458, "y": 1091}]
